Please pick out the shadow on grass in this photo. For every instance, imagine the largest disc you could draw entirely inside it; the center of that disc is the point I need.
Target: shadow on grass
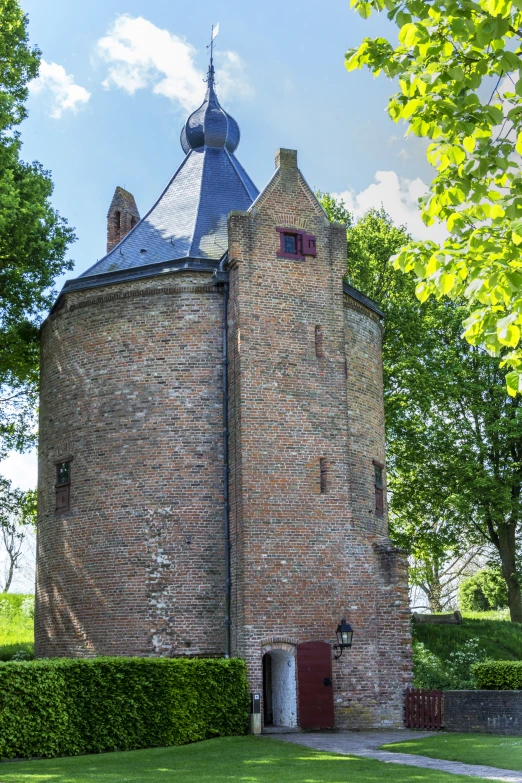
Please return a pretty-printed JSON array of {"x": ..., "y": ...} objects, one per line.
[{"x": 230, "y": 759}]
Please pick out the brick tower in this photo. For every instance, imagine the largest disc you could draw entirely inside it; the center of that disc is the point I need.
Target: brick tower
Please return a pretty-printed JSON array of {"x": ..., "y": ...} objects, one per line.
[{"x": 211, "y": 476}]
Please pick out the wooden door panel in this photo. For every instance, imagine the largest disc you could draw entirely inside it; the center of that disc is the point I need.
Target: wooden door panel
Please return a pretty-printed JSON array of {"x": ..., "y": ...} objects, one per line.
[{"x": 314, "y": 681}]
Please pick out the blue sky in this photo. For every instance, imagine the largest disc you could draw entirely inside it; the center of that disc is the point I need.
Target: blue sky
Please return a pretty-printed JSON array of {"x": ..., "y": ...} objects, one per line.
[
  {"x": 119, "y": 78},
  {"x": 280, "y": 73}
]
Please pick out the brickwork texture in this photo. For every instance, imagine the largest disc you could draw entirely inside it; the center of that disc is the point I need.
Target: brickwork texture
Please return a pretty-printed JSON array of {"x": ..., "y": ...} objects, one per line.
[
  {"x": 131, "y": 393},
  {"x": 492, "y": 712}
]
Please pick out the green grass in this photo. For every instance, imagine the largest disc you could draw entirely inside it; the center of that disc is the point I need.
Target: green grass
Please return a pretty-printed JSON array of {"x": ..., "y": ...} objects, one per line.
[
  {"x": 225, "y": 760},
  {"x": 16, "y": 626},
  {"x": 501, "y": 639},
  {"x": 503, "y": 752}
]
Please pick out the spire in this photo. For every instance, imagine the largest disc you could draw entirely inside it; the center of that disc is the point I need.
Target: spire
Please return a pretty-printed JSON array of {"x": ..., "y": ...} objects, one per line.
[
  {"x": 210, "y": 125},
  {"x": 210, "y": 75}
]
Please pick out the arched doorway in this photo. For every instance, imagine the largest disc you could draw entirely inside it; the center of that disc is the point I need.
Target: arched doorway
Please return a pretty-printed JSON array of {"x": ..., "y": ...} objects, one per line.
[{"x": 279, "y": 689}]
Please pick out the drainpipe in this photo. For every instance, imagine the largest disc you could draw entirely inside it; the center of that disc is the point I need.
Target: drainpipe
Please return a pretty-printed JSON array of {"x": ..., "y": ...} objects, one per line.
[{"x": 221, "y": 277}]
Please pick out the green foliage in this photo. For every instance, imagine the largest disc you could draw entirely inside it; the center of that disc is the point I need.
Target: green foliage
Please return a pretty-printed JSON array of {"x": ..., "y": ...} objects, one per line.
[
  {"x": 453, "y": 673},
  {"x": 483, "y": 591},
  {"x": 428, "y": 670},
  {"x": 335, "y": 209},
  {"x": 498, "y": 675},
  {"x": 16, "y": 626},
  {"x": 33, "y": 238},
  {"x": 16, "y": 505},
  {"x": 500, "y": 640},
  {"x": 453, "y": 437},
  {"x": 451, "y": 58},
  {"x": 60, "y": 706}
]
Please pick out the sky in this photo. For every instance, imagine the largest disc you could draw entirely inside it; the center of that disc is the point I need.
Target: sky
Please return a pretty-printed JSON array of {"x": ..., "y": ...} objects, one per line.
[{"x": 118, "y": 79}]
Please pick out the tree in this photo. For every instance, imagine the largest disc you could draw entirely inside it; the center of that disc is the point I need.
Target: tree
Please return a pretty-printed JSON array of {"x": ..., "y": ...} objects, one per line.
[
  {"x": 457, "y": 64},
  {"x": 33, "y": 238},
  {"x": 17, "y": 512},
  {"x": 483, "y": 591},
  {"x": 454, "y": 438}
]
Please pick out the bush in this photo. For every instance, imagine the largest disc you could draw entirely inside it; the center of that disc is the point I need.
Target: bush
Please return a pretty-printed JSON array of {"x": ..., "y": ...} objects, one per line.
[
  {"x": 498, "y": 675},
  {"x": 453, "y": 674},
  {"x": 428, "y": 669},
  {"x": 67, "y": 707},
  {"x": 483, "y": 591},
  {"x": 27, "y": 606}
]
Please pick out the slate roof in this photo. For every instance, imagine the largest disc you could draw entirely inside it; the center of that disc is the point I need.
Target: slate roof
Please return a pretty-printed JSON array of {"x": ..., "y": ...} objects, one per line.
[{"x": 189, "y": 219}]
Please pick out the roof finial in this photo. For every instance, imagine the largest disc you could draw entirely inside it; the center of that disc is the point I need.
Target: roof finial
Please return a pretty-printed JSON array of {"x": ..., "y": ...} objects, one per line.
[{"x": 210, "y": 77}]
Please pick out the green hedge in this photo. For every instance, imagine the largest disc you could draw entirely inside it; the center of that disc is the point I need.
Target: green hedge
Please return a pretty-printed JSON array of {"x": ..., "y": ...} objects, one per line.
[
  {"x": 498, "y": 675},
  {"x": 66, "y": 707}
]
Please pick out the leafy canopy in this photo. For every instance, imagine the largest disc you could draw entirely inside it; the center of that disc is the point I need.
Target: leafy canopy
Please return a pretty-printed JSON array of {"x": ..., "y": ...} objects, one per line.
[
  {"x": 33, "y": 238},
  {"x": 459, "y": 73}
]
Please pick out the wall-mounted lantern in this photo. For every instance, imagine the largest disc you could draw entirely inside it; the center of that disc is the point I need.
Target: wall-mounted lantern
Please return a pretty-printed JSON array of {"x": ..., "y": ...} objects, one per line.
[{"x": 344, "y": 635}]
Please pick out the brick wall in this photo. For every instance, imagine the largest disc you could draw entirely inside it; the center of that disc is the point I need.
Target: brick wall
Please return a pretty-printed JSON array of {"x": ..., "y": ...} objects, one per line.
[
  {"x": 493, "y": 712},
  {"x": 131, "y": 390},
  {"x": 301, "y": 560}
]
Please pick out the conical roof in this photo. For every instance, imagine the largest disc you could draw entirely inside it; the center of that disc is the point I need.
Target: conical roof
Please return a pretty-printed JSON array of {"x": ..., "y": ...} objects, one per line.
[{"x": 189, "y": 219}]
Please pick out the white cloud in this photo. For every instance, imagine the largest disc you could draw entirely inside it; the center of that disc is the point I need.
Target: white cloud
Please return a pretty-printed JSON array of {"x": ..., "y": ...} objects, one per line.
[
  {"x": 21, "y": 469},
  {"x": 399, "y": 197},
  {"x": 141, "y": 55},
  {"x": 64, "y": 94}
]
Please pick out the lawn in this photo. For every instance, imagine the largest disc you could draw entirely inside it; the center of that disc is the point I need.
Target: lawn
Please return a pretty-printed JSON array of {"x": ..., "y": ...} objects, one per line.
[
  {"x": 503, "y": 752},
  {"x": 246, "y": 759},
  {"x": 500, "y": 638}
]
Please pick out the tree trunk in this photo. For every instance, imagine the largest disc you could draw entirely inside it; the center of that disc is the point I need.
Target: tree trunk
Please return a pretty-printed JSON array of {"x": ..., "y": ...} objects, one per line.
[
  {"x": 435, "y": 589},
  {"x": 507, "y": 551},
  {"x": 10, "y": 574}
]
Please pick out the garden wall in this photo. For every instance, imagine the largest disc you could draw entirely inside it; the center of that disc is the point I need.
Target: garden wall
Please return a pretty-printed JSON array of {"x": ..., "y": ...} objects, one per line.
[{"x": 493, "y": 712}]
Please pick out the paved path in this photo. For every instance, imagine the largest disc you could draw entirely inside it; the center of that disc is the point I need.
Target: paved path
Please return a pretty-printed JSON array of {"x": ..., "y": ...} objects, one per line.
[{"x": 367, "y": 743}]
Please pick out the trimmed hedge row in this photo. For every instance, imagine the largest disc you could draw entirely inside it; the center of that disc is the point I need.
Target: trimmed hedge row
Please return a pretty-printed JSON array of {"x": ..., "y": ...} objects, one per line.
[
  {"x": 498, "y": 675},
  {"x": 67, "y": 707}
]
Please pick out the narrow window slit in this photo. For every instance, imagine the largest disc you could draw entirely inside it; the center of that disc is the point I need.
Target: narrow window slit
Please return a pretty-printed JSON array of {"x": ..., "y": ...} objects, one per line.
[
  {"x": 319, "y": 342},
  {"x": 63, "y": 486},
  {"x": 379, "y": 488},
  {"x": 323, "y": 474}
]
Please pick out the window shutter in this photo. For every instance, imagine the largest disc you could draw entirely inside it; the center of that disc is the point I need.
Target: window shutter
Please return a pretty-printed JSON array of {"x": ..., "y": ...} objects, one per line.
[
  {"x": 309, "y": 246},
  {"x": 379, "y": 502}
]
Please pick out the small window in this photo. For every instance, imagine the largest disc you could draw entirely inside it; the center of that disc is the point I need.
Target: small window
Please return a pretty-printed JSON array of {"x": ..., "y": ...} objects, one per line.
[
  {"x": 379, "y": 488},
  {"x": 117, "y": 221},
  {"x": 296, "y": 244},
  {"x": 290, "y": 243},
  {"x": 323, "y": 475},
  {"x": 63, "y": 486}
]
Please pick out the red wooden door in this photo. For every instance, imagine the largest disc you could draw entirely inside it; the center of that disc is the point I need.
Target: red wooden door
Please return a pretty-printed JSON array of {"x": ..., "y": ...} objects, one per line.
[{"x": 314, "y": 682}]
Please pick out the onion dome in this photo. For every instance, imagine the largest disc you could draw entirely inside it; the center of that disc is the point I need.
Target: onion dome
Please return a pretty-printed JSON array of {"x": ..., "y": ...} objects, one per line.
[{"x": 210, "y": 125}]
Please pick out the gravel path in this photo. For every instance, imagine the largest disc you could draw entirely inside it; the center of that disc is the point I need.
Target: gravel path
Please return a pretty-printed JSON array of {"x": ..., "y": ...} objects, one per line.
[{"x": 367, "y": 744}]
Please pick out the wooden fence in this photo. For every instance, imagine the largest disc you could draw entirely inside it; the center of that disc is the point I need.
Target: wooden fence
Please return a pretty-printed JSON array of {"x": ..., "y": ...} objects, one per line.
[{"x": 423, "y": 709}]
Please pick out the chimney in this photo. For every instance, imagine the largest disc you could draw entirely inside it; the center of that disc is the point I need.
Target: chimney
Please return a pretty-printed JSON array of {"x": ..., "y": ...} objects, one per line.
[{"x": 122, "y": 216}]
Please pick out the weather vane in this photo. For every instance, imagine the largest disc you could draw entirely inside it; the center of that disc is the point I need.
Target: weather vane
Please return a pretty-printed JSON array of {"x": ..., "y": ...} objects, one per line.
[{"x": 215, "y": 31}]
